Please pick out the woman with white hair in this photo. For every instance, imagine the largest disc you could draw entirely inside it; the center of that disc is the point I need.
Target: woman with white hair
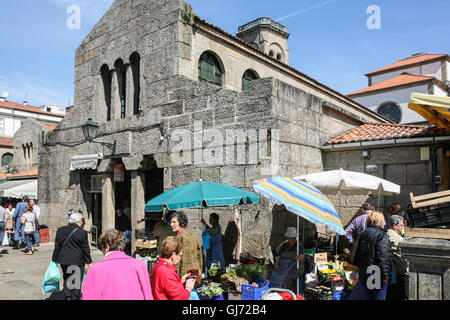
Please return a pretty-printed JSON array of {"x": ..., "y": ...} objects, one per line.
[{"x": 72, "y": 252}]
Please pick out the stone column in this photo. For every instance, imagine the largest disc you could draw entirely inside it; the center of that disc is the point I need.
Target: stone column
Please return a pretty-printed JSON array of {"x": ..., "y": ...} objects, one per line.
[
  {"x": 108, "y": 202},
  {"x": 429, "y": 268},
  {"x": 115, "y": 96},
  {"x": 129, "y": 106},
  {"x": 137, "y": 203}
]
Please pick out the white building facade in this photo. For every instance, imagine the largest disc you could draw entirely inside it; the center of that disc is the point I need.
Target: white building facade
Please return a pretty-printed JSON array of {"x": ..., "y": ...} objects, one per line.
[{"x": 390, "y": 87}]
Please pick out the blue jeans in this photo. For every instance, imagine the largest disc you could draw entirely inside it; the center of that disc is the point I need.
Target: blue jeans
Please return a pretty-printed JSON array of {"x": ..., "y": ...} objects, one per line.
[
  {"x": 18, "y": 229},
  {"x": 361, "y": 292},
  {"x": 36, "y": 234},
  {"x": 2, "y": 233},
  {"x": 28, "y": 240}
]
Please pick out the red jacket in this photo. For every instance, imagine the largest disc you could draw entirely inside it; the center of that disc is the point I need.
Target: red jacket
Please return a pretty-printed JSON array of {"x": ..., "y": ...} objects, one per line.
[{"x": 166, "y": 283}]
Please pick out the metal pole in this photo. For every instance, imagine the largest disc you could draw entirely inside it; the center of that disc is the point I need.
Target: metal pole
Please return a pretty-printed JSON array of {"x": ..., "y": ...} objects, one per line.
[
  {"x": 298, "y": 249},
  {"x": 340, "y": 203}
]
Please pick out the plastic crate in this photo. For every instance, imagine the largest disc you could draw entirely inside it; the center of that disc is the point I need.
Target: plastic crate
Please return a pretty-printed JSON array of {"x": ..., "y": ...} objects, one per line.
[
  {"x": 44, "y": 235},
  {"x": 255, "y": 293},
  {"x": 432, "y": 216}
]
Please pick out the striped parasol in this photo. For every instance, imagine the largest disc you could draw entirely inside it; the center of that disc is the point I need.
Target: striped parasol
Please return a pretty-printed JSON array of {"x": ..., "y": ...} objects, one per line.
[{"x": 302, "y": 199}]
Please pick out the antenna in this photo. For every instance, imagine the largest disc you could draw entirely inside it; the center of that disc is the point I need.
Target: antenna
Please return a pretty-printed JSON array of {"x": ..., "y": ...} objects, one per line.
[{"x": 26, "y": 98}]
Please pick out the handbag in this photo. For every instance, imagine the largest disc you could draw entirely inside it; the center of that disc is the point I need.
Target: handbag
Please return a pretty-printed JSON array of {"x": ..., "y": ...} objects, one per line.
[{"x": 352, "y": 257}]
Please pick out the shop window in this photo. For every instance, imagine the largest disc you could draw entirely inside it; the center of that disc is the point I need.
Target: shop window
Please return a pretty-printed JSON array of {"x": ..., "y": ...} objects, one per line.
[
  {"x": 391, "y": 110},
  {"x": 248, "y": 76},
  {"x": 6, "y": 159},
  {"x": 107, "y": 80},
  {"x": 209, "y": 69},
  {"x": 135, "y": 61}
]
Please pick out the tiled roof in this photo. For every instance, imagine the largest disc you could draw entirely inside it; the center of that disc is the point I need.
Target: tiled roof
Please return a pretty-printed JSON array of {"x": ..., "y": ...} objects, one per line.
[
  {"x": 400, "y": 80},
  {"x": 51, "y": 126},
  {"x": 382, "y": 131},
  {"x": 409, "y": 61},
  {"x": 22, "y": 107},
  {"x": 6, "y": 142},
  {"x": 32, "y": 172}
]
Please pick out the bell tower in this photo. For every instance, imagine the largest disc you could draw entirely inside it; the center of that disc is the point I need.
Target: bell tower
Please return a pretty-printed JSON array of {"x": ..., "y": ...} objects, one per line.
[{"x": 268, "y": 36}]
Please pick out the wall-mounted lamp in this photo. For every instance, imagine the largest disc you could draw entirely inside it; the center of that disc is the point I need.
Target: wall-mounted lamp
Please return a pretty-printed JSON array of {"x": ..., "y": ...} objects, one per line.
[
  {"x": 90, "y": 129},
  {"x": 366, "y": 155},
  {"x": 371, "y": 168}
]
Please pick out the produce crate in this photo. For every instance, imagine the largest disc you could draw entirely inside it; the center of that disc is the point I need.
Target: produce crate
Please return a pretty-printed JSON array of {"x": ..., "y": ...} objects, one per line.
[
  {"x": 255, "y": 293},
  {"x": 433, "y": 216},
  {"x": 318, "y": 294},
  {"x": 44, "y": 235},
  {"x": 430, "y": 210}
]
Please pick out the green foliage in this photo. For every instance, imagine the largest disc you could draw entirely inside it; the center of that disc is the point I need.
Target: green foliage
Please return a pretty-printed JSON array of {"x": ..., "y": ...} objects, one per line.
[{"x": 211, "y": 292}]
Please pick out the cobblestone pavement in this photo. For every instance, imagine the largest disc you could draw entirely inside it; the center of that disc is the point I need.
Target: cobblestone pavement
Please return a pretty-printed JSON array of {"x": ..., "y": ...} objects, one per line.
[{"x": 21, "y": 275}]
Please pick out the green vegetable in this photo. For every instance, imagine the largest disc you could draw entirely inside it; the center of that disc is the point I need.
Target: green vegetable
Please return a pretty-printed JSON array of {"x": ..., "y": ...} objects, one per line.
[
  {"x": 213, "y": 271},
  {"x": 211, "y": 292}
]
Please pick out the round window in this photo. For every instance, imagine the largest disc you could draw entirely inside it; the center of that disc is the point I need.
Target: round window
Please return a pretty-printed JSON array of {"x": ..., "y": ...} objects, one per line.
[{"x": 392, "y": 111}]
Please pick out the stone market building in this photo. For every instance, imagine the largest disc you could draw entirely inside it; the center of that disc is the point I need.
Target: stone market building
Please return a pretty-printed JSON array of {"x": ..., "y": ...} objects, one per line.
[{"x": 150, "y": 69}]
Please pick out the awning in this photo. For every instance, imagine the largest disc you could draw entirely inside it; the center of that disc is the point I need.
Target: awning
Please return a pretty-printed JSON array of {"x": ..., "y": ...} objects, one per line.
[
  {"x": 435, "y": 109},
  {"x": 85, "y": 162},
  {"x": 19, "y": 188}
]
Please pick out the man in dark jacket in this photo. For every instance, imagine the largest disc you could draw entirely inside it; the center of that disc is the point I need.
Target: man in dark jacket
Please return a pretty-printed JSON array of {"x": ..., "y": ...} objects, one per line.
[
  {"x": 72, "y": 252},
  {"x": 373, "y": 260}
]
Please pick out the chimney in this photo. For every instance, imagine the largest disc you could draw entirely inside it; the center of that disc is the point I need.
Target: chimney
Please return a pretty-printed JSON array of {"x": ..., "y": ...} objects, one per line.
[
  {"x": 268, "y": 36},
  {"x": 4, "y": 96},
  {"x": 25, "y": 103}
]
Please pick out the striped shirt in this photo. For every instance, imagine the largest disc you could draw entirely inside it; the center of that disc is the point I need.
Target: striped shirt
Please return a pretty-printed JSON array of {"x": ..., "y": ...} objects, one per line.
[{"x": 358, "y": 225}]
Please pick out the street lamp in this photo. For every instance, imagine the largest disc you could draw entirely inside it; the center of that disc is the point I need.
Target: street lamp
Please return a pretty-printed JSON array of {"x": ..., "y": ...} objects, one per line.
[{"x": 90, "y": 129}]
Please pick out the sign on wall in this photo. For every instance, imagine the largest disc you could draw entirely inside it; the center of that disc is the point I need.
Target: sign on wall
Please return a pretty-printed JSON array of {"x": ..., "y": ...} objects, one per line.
[{"x": 119, "y": 173}]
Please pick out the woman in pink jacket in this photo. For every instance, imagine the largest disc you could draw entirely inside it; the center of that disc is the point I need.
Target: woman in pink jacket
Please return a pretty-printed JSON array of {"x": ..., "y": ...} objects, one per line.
[{"x": 117, "y": 277}]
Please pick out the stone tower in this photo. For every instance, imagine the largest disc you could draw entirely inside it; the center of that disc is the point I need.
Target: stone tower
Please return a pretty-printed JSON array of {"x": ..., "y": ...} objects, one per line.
[{"x": 267, "y": 35}]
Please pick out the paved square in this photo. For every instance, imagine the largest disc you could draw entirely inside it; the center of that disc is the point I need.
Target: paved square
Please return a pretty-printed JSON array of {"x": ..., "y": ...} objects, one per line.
[{"x": 21, "y": 275}]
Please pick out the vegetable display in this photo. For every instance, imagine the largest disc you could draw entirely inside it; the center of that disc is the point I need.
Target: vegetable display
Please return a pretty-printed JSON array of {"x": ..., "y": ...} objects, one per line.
[{"x": 210, "y": 291}]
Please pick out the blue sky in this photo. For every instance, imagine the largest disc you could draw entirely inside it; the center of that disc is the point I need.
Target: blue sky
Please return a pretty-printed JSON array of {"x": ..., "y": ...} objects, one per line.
[{"x": 329, "y": 39}]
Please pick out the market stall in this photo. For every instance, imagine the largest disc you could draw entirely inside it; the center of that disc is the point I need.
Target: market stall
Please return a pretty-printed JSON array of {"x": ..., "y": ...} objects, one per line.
[
  {"x": 218, "y": 282},
  {"x": 308, "y": 203}
]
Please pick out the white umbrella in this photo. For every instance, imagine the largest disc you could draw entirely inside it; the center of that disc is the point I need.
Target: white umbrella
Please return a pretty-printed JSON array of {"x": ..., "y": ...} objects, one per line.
[{"x": 350, "y": 183}]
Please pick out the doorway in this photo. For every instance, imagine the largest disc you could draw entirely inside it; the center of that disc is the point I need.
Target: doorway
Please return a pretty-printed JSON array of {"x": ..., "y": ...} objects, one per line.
[{"x": 154, "y": 186}]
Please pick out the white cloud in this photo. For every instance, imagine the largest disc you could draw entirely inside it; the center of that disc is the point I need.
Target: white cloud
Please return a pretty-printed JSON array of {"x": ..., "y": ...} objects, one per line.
[{"x": 296, "y": 13}]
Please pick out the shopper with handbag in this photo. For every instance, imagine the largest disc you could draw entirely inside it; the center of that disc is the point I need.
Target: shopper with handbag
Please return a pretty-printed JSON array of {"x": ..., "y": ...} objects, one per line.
[
  {"x": 28, "y": 219},
  {"x": 72, "y": 252}
]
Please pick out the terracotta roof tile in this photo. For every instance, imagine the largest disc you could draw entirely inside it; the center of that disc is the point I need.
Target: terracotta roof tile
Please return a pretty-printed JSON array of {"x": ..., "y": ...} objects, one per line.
[
  {"x": 400, "y": 80},
  {"x": 32, "y": 172},
  {"x": 409, "y": 61},
  {"x": 22, "y": 107},
  {"x": 6, "y": 142},
  {"x": 51, "y": 126},
  {"x": 382, "y": 131}
]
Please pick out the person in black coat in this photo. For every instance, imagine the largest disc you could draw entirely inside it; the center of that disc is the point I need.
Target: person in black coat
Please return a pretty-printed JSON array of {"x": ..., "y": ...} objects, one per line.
[
  {"x": 373, "y": 259},
  {"x": 72, "y": 252}
]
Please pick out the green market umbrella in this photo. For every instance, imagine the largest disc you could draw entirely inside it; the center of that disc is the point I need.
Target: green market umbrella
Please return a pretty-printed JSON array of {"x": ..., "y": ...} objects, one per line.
[{"x": 200, "y": 194}]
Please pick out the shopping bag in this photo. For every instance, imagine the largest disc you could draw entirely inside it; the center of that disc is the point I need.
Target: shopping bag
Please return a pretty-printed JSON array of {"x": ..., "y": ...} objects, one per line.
[
  {"x": 5, "y": 241},
  {"x": 194, "y": 295},
  {"x": 53, "y": 275},
  {"x": 47, "y": 288}
]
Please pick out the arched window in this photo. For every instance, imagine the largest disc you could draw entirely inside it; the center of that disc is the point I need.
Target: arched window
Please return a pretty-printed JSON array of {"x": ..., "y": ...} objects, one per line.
[
  {"x": 6, "y": 159},
  {"x": 248, "y": 76},
  {"x": 271, "y": 53},
  {"x": 107, "y": 80},
  {"x": 135, "y": 61},
  {"x": 121, "y": 72},
  {"x": 391, "y": 110},
  {"x": 209, "y": 69},
  {"x": 279, "y": 57}
]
